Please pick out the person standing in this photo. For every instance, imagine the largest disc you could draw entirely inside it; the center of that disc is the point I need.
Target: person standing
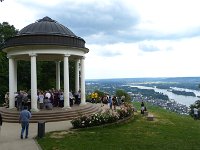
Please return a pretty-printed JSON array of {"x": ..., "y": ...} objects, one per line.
[
  {"x": 19, "y": 101},
  {"x": 24, "y": 118},
  {"x": 195, "y": 113},
  {"x": 110, "y": 102},
  {"x": 6, "y": 104},
  {"x": 61, "y": 100},
  {"x": 114, "y": 99},
  {"x": 1, "y": 121},
  {"x": 79, "y": 96},
  {"x": 41, "y": 99},
  {"x": 123, "y": 99},
  {"x": 142, "y": 107}
]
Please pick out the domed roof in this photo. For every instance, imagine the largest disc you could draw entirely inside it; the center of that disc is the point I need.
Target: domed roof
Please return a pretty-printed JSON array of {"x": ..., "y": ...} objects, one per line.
[
  {"x": 46, "y": 31},
  {"x": 46, "y": 26}
]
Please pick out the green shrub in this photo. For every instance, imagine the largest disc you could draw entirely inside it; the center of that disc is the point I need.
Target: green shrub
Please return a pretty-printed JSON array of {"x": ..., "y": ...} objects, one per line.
[{"x": 102, "y": 118}]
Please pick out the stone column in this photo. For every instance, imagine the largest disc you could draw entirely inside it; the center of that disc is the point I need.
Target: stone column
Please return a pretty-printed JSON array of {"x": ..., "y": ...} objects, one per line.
[
  {"x": 77, "y": 76},
  {"x": 58, "y": 75},
  {"x": 83, "y": 81},
  {"x": 33, "y": 83},
  {"x": 11, "y": 83},
  {"x": 66, "y": 82},
  {"x": 15, "y": 75}
]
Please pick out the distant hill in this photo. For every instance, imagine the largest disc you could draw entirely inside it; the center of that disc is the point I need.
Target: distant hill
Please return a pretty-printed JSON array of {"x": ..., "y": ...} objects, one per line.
[
  {"x": 162, "y": 79},
  {"x": 183, "y": 79},
  {"x": 180, "y": 82}
]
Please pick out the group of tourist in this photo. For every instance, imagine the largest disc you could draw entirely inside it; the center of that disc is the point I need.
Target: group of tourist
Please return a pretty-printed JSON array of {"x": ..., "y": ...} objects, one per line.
[
  {"x": 112, "y": 101},
  {"x": 55, "y": 98},
  {"x": 46, "y": 99}
]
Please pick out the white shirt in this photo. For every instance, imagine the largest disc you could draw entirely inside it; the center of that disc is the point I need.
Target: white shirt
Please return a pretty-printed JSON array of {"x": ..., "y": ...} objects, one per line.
[
  {"x": 48, "y": 95},
  {"x": 70, "y": 95}
]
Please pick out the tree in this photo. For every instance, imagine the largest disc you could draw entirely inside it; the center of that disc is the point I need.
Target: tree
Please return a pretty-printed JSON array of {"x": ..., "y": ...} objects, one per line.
[
  {"x": 120, "y": 93},
  {"x": 6, "y": 31}
]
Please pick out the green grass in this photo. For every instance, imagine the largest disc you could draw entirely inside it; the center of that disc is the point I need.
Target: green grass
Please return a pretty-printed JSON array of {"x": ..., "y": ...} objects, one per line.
[{"x": 169, "y": 131}]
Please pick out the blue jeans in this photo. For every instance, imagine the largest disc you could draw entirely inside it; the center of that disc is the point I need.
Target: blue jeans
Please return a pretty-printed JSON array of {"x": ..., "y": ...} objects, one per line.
[{"x": 25, "y": 126}]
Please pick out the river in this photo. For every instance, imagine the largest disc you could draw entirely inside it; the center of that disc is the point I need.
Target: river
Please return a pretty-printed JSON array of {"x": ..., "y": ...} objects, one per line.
[{"x": 185, "y": 100}]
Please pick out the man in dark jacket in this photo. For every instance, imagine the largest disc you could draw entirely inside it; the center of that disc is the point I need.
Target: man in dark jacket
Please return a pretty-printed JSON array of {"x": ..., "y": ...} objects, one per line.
[{"x": 24, "y": 118}]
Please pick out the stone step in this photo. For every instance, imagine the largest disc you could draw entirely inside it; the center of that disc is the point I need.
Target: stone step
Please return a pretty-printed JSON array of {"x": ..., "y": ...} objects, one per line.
[
  {"x": 52, "y": 112},
  {"x": 57, "y": 114}
]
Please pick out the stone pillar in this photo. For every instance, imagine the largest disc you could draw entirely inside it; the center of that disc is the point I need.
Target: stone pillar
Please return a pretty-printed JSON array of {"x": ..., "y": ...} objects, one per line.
[
  {"x": 58, "y": 75},
  {"x": 83, "y": 81},
  {"x": 66, "y": 82},
  {"x": 77, "y": 76},
  {"x": 33, "y": 83},
  {"x": 11, "y": 83},
  {"x": 15, "y": 75}
]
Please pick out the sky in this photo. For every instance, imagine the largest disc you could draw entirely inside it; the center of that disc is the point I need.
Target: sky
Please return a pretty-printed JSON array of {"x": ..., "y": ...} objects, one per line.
[{"x": 126, "y": 38}]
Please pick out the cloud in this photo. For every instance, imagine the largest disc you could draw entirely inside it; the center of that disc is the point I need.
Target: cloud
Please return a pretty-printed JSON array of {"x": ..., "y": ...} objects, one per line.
[
  {"x": 105, "y": 51},
  {"x": 109, "y": 54},
  {"x": 148, "y": 48},
  {"x": 96, "y": 21},
  {"x": 111, "y": 21},
  {"x": 97, "y": 17}
]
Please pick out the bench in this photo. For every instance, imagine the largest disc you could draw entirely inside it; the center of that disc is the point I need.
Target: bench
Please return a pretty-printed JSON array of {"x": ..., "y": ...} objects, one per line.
[{"x": 150, "y": 117}]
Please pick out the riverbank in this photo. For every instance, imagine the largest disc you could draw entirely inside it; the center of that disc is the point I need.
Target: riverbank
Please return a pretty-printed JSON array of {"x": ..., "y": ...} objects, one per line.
[{"x": 180, "y": 99}]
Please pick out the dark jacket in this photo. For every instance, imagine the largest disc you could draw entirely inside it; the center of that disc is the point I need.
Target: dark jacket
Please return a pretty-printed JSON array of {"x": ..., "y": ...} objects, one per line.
[{"x": 25, "y": 115}]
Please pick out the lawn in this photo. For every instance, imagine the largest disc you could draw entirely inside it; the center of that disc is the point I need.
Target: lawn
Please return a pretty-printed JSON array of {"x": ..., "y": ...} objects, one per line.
[{"x": 169, "y": 131}]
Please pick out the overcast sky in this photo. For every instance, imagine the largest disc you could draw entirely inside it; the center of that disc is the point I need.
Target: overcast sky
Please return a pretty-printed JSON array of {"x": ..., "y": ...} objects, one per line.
[{"x": 126, "y": 38}]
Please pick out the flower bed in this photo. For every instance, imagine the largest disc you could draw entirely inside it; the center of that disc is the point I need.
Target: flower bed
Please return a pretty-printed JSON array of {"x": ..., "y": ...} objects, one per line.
[{"x": 106, "y": 117}]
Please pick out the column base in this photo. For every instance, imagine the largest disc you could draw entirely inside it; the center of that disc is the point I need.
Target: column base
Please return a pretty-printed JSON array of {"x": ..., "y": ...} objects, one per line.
[
  {"x": 34, "y": 110},
  {"x": 83, "y": 104},
  {"x": 12, "y": 108},
  {"x": 66, "y": 107}
]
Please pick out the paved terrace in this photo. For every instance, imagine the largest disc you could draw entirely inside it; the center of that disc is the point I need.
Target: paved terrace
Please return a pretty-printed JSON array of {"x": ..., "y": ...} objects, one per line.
[{"x": 10, "y": 134}]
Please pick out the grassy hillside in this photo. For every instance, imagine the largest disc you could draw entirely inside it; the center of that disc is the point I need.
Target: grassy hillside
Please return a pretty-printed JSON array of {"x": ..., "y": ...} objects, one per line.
[{"x": 169, "y": 131}]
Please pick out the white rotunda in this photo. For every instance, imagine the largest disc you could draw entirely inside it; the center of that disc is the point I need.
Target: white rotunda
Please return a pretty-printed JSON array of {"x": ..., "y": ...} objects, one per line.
[{"x": 46, "y": 40}]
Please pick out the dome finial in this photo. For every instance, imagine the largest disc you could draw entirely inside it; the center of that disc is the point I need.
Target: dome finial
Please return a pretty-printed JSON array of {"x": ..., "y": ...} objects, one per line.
[{"x": 46, "y": 19}]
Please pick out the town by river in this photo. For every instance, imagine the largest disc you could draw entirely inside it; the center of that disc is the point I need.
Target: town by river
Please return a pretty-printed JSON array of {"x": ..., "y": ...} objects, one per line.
[{"x": 185, "y": 100}]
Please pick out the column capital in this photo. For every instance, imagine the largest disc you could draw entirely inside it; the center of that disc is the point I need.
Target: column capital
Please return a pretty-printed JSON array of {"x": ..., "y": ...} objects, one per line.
[
  {"x": 83, "y": 57},
  {"x": 32, "y": 54},
  {"x": 9, "y": 56},
  {"x": 66, "y": 55}
]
